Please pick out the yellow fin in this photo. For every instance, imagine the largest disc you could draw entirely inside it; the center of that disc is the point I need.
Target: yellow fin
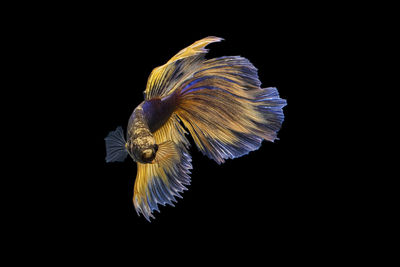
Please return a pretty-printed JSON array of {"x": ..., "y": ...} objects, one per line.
[
  {"x": 161, "y": 182},
  {"x": 164, "y": 79},
  {"x": 226, "y": 111},
  {"x": 166, "y": 152},
  {"x": 197, "y": 47}
]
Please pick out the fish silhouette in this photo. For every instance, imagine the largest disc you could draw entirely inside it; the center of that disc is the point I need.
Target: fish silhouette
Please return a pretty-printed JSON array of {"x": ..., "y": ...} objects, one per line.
[{"x": 218, "y": 101}]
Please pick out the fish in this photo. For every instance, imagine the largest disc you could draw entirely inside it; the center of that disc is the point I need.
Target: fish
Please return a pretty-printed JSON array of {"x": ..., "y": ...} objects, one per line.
[{"x": 218, "y": 101}]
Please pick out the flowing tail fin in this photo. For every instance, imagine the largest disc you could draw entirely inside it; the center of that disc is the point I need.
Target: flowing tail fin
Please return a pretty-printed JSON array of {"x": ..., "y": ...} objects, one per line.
[
  {"x": 221, "y": 104},
  {"x": 226, "y": 111}
]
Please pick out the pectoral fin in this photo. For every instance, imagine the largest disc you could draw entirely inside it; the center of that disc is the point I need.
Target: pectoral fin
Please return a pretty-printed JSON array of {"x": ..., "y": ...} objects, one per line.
[{"x": 166, "y": 151}]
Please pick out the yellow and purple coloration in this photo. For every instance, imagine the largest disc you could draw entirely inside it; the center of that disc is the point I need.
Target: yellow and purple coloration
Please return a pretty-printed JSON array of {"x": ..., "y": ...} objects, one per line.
[{"x": 219, "y": 101}]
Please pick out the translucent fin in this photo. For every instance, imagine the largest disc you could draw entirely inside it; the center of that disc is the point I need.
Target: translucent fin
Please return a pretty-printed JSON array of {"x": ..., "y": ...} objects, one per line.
[
  {"x": 165, "y": 152},
  {"x": 163, "y": 181},
  {"x": 165, "y": 79},
  {"x": 226, "y": 111},
  {"x": 115, "y": 146}
]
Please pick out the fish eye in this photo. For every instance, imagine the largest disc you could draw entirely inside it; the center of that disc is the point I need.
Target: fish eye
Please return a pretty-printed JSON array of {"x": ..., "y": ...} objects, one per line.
[{"x": 148, "y": 155}]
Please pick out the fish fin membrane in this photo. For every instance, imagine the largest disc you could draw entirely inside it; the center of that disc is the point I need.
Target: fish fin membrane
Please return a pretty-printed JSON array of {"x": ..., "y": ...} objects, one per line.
[
  {"x": 164, "y": 152},
  {"x": 165, "y": 79},
  {"x": 115, "y": 146},
  {"x": 226, "y": 111},
  {"x": 167, "y": 178}
]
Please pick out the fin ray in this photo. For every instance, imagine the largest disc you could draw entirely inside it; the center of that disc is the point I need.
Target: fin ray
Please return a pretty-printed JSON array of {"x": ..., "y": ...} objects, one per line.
[
  {"x": 226, "y": 111},
  {"x": 162, "y": 182},
  {"x": 222, "y": 105},
  {"x": 115, "y": 146},
  {"x": 164, "y": 79}
]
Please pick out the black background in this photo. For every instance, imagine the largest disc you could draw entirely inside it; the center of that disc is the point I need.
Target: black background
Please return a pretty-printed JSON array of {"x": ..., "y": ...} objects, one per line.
[
  {"x": 79, "y": 72},
  {"x": 286, "y": 189},
  {"x": 275, "y": 186}
]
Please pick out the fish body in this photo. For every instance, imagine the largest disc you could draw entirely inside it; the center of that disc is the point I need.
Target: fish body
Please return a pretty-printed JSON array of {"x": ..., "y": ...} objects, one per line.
[
  {"x": 141, "y": 144},
  {"x": 218, "y": 101},
  {"x": 147, "y": 118},
  {"x": 157, "y": 111}
]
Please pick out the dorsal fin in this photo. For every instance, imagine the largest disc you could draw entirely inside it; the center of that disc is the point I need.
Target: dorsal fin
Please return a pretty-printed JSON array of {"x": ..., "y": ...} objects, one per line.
[{"x": 164, "y": 79}]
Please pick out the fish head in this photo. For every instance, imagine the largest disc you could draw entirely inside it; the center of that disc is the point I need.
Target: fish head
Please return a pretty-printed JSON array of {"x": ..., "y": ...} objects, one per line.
[{"x": 143, "y": 151}]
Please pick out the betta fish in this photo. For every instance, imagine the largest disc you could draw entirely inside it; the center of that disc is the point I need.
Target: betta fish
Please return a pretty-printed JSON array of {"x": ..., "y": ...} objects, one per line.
[{"x": 218, "y": 101}]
